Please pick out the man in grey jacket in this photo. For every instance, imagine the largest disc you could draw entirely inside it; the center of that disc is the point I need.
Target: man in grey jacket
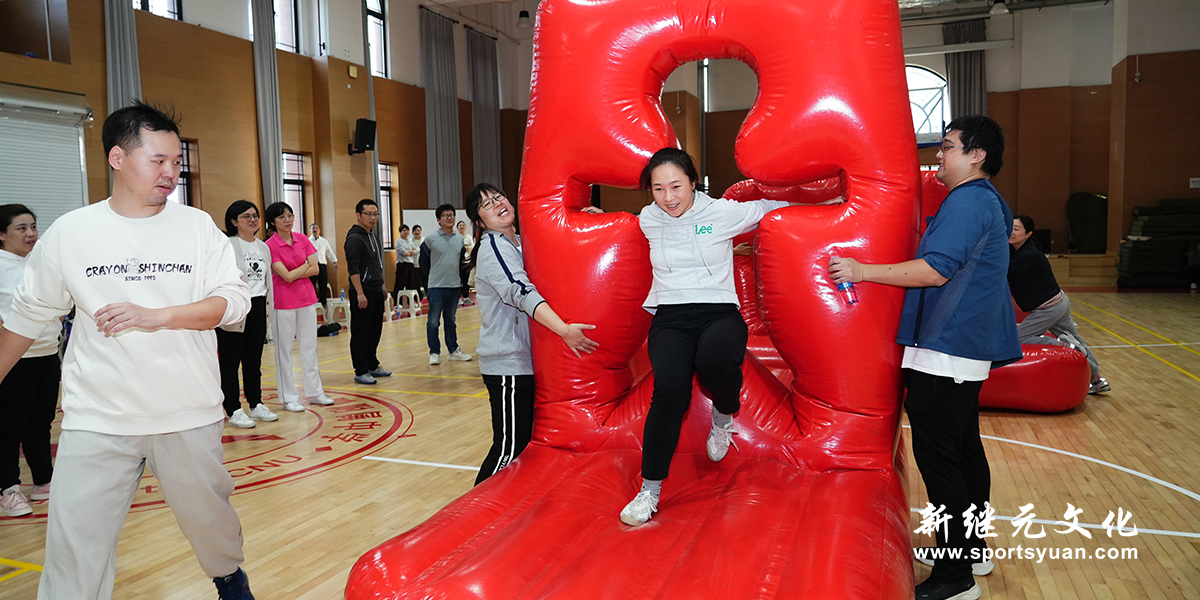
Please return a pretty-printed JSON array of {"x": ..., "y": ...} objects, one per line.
[
  {"x": 364, "y": 265},
  {"x": 441, "y": 251}
]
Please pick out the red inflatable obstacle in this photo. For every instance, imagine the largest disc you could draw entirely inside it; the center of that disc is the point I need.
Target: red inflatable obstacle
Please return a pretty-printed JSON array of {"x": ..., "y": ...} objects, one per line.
[{"x": 809, "y": 504}]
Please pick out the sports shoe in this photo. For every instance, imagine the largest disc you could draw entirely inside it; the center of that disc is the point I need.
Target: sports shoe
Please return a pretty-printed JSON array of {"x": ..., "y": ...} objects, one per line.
[
  {"x": 1194, "y": 286},
  {"x": 1099, "y": 386},
  {"x": 40, "y": 492},
  {"x": 292, "y": 406},
  {"x": 459, "y": 355},
  {"x": 380, "y": 372},
  {"x": 1070, "y": 341},
  {"x": 719, "y": 439},
  {"x": 961, "y": 590},
  {"x": 240, "y": 419},
  {"x": 639, "y": 510},
  {"x": 434, "y": 359},
  {"x": 234, "y": 587},
  {"x": 262, "y": 413},
  {"x": 365, "y": 379},
  {"x": 321, "y": 400},
  {"x": 13, "y": 503},
  {"x": 982, "y": 568}
]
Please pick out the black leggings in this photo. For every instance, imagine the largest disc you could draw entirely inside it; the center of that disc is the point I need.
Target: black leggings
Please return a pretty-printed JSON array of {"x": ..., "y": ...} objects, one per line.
[
  {"x": 686, "y": 339},
  {"x": 512, "y": 420},
  {"x": 243, "y": 349},
  {"x": 28, "y": 398},
  {"x": 949, "y": 453}
]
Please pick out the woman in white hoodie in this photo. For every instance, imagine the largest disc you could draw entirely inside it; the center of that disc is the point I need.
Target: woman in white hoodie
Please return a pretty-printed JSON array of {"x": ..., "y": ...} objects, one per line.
[
  {"x": 696, "y": 328},
  {"x": 29, "y": 394}
]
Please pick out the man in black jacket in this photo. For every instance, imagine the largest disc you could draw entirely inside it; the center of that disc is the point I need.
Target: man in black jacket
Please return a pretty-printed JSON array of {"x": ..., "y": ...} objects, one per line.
[{"x": 364, "y": 265}]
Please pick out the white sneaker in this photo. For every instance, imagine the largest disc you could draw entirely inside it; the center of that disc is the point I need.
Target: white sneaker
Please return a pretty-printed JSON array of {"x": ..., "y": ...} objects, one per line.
[
  {"x": 435, "y": 359},
  {"x": 13, "y": 503},
  {"x": 459, "y": 355},
  {"x": 292, "y": 406},
  {"x": 639, "y": 510},
  {"x": 321, "y": 400},
  {"x": 719, "y": 439},
  {"x": 262, "y": 413},
  {"x": 240, "y": 419}
]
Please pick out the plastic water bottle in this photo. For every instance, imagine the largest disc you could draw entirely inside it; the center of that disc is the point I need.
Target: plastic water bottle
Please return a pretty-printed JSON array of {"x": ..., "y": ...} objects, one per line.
[
  {"x": 343, "y": 293},
  {"x": 849, "y": 294}
]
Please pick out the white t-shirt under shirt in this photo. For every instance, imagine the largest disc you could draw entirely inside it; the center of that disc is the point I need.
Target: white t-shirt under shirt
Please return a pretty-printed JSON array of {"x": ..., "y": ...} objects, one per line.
[
  {"x": 254, "y": 265},
  {"x": 943, "y": 365}
]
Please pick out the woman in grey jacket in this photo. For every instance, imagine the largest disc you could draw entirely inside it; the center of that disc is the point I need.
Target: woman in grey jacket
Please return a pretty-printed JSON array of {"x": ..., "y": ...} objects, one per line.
[{"x": 507, "y": 299}]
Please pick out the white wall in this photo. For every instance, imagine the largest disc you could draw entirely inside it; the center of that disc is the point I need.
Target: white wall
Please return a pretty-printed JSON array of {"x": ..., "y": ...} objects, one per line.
[
  {"x": 732, "y": 85},
  {"x": 404, "y": 40},
  {"x": 345, "y": 27},
  {"x": 1156, "y": 26},
  {"x": 231, "y": 17}
]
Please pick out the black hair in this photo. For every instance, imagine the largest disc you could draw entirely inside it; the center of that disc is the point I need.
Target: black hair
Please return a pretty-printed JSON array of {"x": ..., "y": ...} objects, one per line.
[
  {"x": 671, "y": 156},
  {"x": 273, "y": 212},
  {"x": 233, "y": 212},
  {"x": 9, "y": 213},
  {"x": 415, "y": 227},
  {"x": 443, "y": 208},
  {"x": 982, "y": 133},
  {"x": 1026, "y": 222},
  {"x": 471, "y": 204},
  {"x": 124, "y": 127},
  {"x": 358, "y": 208},
  {"x": 403, "y": 227}
]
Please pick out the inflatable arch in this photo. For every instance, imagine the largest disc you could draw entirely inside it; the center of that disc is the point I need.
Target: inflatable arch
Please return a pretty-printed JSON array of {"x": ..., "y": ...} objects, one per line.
[{"x": 810, "y": 504}]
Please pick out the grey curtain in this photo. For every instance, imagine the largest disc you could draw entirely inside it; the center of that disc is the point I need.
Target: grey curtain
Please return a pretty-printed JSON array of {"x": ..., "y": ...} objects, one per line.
[
  {"x": 121, "y": 54},
  {"x": 965, "y": 74},
  {"x": 441, "y": 109},
  {"x": 485, "y": 107},
  {"x": 266, "y": 101}
]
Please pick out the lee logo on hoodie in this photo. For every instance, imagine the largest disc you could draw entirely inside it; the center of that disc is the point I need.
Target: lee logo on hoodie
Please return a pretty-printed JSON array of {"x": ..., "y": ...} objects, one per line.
[{"x": 703, "y": 229}]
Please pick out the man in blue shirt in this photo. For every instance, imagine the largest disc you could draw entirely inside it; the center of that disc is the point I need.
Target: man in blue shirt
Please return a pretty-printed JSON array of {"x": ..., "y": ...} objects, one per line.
[{"x": 957, "y": 323}]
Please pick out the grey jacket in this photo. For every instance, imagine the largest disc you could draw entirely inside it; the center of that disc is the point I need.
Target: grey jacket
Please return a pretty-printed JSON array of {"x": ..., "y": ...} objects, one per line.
[{"x": 506, "y": 301}]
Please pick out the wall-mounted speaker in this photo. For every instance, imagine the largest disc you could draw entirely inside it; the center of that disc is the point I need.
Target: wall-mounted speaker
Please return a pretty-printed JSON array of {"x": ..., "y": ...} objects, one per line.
[{"x": 364, "y": 136}]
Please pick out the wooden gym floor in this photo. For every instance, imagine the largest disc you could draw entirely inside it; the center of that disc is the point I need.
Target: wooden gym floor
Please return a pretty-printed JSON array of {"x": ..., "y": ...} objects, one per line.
[{"x": 318, "y": 489}]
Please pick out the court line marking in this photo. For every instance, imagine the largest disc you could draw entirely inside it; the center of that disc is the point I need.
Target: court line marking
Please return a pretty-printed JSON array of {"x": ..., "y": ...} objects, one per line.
[
  {"x": 22, "y": 567},
  {"x": 1142, "y": 345},
  {"x": 421, "y": 463},
  {"x": 347, "y": 356},
  {"x": 1165, "y": 361},
  {"x": 1123, "y": 320},
  {"x": 360, "y": 390},
  {"x": 1166, "y": 532}
]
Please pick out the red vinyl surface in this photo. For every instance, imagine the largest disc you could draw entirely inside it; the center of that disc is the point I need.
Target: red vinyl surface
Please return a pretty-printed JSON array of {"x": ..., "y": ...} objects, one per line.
[{"x": 809, "y": 504}]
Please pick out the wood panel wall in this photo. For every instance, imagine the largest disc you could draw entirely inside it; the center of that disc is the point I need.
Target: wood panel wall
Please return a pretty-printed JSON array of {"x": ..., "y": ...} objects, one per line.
[
  {"x": 722, "y": 129},
  {"x": 400, "y": 116},
  {"x": 1004, "y": 108},
  {"x": 512, "y": 149},
  {"x": 1044, "y": 153}
]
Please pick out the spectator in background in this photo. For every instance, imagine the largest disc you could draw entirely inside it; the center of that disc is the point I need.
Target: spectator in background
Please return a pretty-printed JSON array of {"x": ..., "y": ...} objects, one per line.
[
  {"x": 1036, "y": 292},
  {"x": 325, "y": 257},
  {"x": 417, "y": 241},
  {"x": 464, "y": 270},
  {"x": 1193, "y": 265},
  {"x": 440, "y": 257},
  {"x": 364, "y": 266},
  {"x": 406, "y": 264},
  {"x": 29, "y": 395}
]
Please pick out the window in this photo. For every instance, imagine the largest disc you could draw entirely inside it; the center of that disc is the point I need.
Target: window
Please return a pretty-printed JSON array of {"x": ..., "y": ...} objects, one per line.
[
  {"x": 163, "y": 8},
  {"x": 377, "y": 37},
  {"x": 293, "y": 186},
  {"x": 186, "y": 189},
  {"x": 929, "y": 99},
  {"x": 385, "y": 205},
  {"x": 287, "y": 29}
]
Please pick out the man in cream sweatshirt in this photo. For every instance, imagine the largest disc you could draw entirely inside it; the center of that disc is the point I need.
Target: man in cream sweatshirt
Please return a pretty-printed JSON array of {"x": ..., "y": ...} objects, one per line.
[{"x": 141, "y": 385}]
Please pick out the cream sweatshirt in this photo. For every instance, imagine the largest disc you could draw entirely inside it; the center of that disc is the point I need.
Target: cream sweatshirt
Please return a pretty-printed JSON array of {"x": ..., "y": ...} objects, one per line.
[
  {"x": 137, "y": 382},
  {"x": 12, "y": 273}
]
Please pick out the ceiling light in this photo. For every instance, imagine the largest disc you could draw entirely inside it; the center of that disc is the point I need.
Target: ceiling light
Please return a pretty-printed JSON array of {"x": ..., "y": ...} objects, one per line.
[
  {"x": 524, "y": 22},
  {"x": 998, "y": 9}
]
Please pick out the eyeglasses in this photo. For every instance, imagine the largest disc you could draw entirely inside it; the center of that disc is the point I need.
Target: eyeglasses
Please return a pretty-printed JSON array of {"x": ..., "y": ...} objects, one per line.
[
  {"x": 369, "y": 214},
  {"x": 946, "y": 148},
  {"x": 489, "y": 202},
  {"x": 248, "y": 217}
]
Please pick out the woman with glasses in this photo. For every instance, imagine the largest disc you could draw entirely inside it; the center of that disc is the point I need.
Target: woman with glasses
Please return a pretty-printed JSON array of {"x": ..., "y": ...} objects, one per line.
[
  {"x": 507, "y": 299},
  {"x": 241, "y": 343},
  {"x": 293, "y": 261}
]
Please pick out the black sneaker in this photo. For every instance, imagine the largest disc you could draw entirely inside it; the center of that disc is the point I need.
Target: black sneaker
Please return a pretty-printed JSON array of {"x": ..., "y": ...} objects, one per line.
[
  {"x": 946, "y": 590},
  {"x": 981, "y": 569},
  {"x": 235, "y": 586}
]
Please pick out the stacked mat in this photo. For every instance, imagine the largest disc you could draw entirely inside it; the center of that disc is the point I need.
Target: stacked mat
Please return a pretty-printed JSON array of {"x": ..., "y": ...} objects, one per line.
[{"x": 1154, "y": 255}]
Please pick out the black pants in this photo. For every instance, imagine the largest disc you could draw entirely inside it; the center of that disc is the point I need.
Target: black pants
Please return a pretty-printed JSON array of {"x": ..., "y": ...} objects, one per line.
[
  {"x": 243, "y": 349},
  {"x": 511, "y": 397},
  {"x": 685, "y": 339},
  {"x": 1193, "y": 272},
  {"x": 321, "y": 281},
  {"x": 406, "y": 278},
  {"x": 366, "y": 327},
  {"x": 949, "y": 452},
  {"x": 29, "y": 397},
  {"x": 464, "y": 275}
]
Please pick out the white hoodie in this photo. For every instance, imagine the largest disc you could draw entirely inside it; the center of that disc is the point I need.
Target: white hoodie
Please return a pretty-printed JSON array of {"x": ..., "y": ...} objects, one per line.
[
  {"x": 12, "y": 273},
  {"x": 137, "y": 382},
  {"x": 692, "y": 255}
]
